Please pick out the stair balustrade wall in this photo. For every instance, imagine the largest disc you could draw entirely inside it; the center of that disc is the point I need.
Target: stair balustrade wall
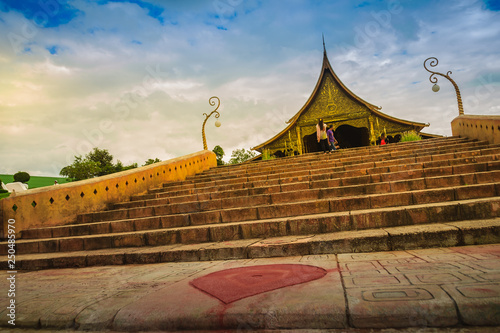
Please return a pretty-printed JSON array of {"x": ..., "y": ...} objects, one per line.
[
  {"x": 477, "y": 127},
  {"x": 60, "y": 204}
]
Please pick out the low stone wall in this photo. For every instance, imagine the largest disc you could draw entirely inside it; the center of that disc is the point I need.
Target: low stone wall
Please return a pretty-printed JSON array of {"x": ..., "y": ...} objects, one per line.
[
  {"x": 60, "y": 204},
  {"x": 477, "y": 127}
]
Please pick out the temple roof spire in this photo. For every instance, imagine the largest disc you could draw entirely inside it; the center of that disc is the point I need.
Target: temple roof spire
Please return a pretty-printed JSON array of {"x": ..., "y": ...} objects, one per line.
[{"x": 324, "y": 47}]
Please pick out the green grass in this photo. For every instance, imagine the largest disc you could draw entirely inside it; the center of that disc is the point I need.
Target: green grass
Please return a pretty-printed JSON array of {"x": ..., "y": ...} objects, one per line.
[{"x": 34, "y": 182}]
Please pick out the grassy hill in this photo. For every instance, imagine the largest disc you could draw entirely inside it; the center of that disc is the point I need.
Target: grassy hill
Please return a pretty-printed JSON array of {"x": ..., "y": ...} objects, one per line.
[{"x": 34, "y": 182}]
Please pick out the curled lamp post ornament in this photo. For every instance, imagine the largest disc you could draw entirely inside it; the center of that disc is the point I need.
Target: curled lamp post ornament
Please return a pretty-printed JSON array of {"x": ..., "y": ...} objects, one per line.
[
  {"x": 433, "y": 63},
  {"x": 212, "y": 102}
]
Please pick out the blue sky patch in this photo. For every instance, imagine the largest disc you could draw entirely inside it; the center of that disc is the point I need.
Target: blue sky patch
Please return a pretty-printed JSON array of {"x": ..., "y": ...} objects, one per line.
[
  {"x": 493, "y": 5},
  {"x": 153, "y": 11},
  {"x": 362, "y": 4},
  {"x": 94, "y": 30},
  {"x": 53, "y": 49},
  {"x": 43, "y": 13}
]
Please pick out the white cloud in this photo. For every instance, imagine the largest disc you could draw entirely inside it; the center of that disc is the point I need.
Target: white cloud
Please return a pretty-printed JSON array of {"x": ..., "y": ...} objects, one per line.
[
  {"x": 121, "y": 80},
  {"x": 48, "y": 68}
]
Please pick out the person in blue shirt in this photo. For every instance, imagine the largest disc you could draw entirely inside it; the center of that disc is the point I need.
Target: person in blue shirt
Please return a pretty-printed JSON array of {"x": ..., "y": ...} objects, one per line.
[{"x": 331, "y": 138}]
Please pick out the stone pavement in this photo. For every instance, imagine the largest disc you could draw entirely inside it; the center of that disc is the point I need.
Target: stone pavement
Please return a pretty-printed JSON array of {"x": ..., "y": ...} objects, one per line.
[{"x": 433, "y": 290}]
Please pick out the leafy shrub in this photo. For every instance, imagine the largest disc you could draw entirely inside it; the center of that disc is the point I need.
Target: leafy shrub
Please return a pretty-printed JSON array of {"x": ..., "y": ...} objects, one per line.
[
  {"x": 410, "y": 136},
  {"x": 80, "y": 169},
  {"x": 241, "y": 155},
  {"x": 98, "y": 162},
  {"x": 22, "y": 177},
  {"x": 3, "y": 191},
  {"x": 219, "y": 153},
  {"x": 151, "y": 161}
]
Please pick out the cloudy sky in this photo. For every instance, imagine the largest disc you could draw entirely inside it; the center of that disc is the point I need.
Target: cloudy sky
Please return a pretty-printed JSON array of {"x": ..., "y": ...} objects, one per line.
[{"x": 135, "y": 76}]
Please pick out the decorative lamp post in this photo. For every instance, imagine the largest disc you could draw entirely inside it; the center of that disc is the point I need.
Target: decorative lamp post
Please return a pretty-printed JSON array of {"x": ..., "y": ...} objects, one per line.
[
  {"x": 211, "y": 101},
  {"x": 433, "y": 63}
]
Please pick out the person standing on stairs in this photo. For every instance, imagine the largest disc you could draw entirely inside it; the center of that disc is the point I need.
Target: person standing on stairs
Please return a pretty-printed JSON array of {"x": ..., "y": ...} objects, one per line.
[
  {"x": 382, "y": 140},
  {"x": 331, "y": 138},
  {"x": 322, "y": 136}
]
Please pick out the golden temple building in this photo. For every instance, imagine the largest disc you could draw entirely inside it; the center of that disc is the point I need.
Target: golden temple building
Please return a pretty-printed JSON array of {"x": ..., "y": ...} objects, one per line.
[{"x": 356, "y": 122}]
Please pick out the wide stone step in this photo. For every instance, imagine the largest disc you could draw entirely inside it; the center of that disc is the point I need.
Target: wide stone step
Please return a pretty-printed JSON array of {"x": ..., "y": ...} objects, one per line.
[
  {"x": 445, "y": 234},
  {"x": 325, "y": 173},
  {"x": 331, "y": 160},
  {"x": 275, "y": 192},
  {"x": 346, "y": 156},
  {"x": 345, "y": 178},
  {"x": 276, "y": 225},
  {"x": 353, "y": 152},
  {"x": 418, "y": 191},
  {"x": 278, "y": 165},
  {"x": 322, "y": 167}
]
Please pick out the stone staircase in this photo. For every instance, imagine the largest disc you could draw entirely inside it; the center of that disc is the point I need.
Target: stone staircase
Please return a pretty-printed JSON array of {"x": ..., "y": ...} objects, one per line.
[{"x": 430, "y": 193}]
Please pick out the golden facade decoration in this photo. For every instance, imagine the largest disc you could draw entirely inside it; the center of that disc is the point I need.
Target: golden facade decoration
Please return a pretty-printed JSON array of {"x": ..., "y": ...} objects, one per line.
[
  {"x": 355, "y": 121},
  {"x": 332, "y": 105}
]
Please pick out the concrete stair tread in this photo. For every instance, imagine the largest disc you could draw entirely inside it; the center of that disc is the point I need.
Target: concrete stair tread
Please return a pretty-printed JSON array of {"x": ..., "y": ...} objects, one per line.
[
  {"x": 350, "y": 181},
  {"x": 353, "y": 152},
  {"x": 320, "y": 195},
  {"x": 430, "y": 194},
  {"x": 371, "y": 240},
  {"x": 282, "y": 226},
  {"x": 375, "y": 200},
  {"x": 364, "y": 168},
  {"x": 317, "y": 167},
  {"x": 304, "y": 185},
  {"x": 376, "y": 156}
]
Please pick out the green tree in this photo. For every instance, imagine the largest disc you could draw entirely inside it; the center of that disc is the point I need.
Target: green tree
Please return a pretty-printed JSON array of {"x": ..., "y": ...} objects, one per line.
[
  {"x": 241, "y": 155},
  {"x": 219, "y": 153},
  {"x": 151, "y": 161},
  {"x": 81, "y": 169},
  {"x": 131, "y": 166},
  {"x": 119, "y": 166},
  {"x": 104, "y": 159},
  {"x": 22, "y": 177}
]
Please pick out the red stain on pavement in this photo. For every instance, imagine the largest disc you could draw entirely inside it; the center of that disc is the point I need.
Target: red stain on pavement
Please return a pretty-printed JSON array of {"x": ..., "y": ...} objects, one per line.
[
  {"x": 237, "y": 283},
  {"x": 484, "y": 292},
  {"x": 222, "y": 313}
]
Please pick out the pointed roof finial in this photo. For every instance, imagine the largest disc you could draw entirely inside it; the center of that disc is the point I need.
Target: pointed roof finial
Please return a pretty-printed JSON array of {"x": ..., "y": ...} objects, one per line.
[{"x": 324, "y": 47}]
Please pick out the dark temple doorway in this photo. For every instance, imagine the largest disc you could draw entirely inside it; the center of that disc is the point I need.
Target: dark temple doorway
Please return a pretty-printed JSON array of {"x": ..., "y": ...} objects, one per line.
[
  {"x": 347, "y": 136},
  {"x": 350, "y": 137},
  {"x": 311, "y": 144}
]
